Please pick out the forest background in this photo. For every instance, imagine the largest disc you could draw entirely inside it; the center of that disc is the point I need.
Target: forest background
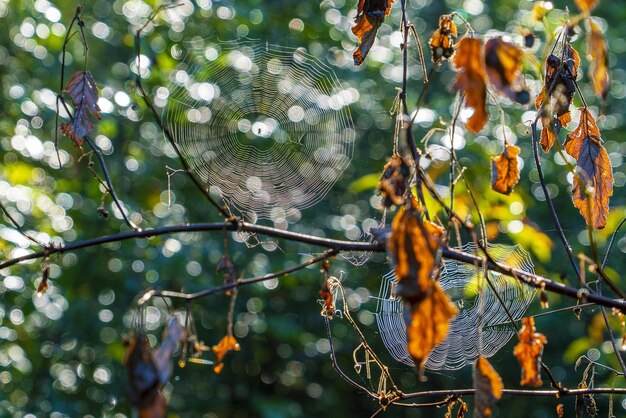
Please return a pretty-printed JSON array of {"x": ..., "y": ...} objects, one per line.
[{"x": 64, "y": 357}]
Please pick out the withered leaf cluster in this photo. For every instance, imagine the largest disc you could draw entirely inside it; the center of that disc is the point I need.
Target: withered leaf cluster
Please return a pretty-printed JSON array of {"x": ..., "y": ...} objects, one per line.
[
  {"x": 555, "y": 98},
  {"x": 498, "y": 62},
  {"x": 442, "y": 41},
  {"x": 413, "y": 245},
  {"x": 226, "y": 344}
]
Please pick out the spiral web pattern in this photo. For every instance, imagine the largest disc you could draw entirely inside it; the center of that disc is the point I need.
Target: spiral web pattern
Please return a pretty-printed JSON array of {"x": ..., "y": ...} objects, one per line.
[
  {"x": 265, "y": 126},
  {"x": 460, "y": 281}
]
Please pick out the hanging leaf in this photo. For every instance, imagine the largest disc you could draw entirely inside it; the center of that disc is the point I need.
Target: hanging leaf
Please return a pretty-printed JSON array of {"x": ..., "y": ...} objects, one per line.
[
  {"x": 226, "y": 267},
  {"x": 413, "y": 246},
  {"x": 226, "y": 344},
  {"x": 594, "y": 174},
  {"x": 503, "y": 61},
  {"x": 370, "y": 15},
  {"x": 528, "y": 352},
  {"x": 394, "y": 182},
  {"x": 598, "y": 55},
  {"x": 83, "y": 92},
  {"x": 470, "y": 80},
  {"x": 162, "y": 356},
  {"x": 143, "y": 379},
  {"x": 430, "y": 318},
  {"x": 505, "y": 170},
  {"x": 488, "y": 386},
  {"x": 328, "y": 310},
  {"x": 43, "y": 284},
  {"x": 442, "y": 41},
  {"x": 586, "y": 5},
  {"x": 555, "y": 98}
]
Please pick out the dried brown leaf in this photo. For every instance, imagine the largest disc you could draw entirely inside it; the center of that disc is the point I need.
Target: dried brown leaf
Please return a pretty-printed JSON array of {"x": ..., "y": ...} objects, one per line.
[
  {"x": 528, "y": 352},
  {"x": 594, "y": 172},
  {"x": 370, "y": 15},
  {"x": 503, "y": 61},
  {"x": 394, "y": 182},
  {"x": 430, "y": 319},
  {"x": 505, "y": 170},
  {"x": 413, "y": 245},
  {"x": 83, "y": 92},
  {"x": 488, "y": 385},
  {"x": 471, "y": 80},
  {"x": 599, "y": 57}
]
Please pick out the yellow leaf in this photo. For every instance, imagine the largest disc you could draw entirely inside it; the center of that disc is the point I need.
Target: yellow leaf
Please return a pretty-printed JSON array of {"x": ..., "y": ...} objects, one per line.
[{"x": 528, "y": 352}]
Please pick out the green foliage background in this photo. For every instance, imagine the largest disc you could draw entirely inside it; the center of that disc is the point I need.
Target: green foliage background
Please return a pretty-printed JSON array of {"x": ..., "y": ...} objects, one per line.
[{"x": 60, "y": 355}]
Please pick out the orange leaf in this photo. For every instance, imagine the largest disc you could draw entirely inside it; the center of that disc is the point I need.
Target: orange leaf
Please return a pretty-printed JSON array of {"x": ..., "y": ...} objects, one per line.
[
  {"x": 413, "y": 245},
  {"x": 84, "y": 94},
  {"x": 586, "y": 5},
  {"x": 598, "y": 55},
  {"x": 329, "y": 301},
  {"x": 394, "y": 181},
  {"x": 470, "y": 80},
  {"x": 488, "y": 385},
  {"x": 528, "y": 352},
  {"x": 594, "y": 172},
  {"x": 503, "y": 61},
  {"x": 430, "y": 319},
  {"x": 226, "y": 344},
  {"x": 370, "y": 15},
  {"x": 505, "y": 170},
  {"x": 441, "y": 43}
]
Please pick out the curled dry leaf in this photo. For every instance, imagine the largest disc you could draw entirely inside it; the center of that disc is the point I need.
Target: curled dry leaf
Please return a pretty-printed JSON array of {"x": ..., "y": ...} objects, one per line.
[
  {"x": 503, "y": 61},
  {"x": 328, "y": 310},
  {"x": 598, "y": 55},
  {"x": 83, "y": 92},
  {"x": 394, "y": 182},
  {"x": 488, "y": 385},
  {"x": 370, "y": 15},
  {"x": 528, "y": 352},
  {"x": 505, "y": 170},
  {"x": 554, "y": 100},
  {"x": 430, "y": 318},
  {"x": 470, "y": 80},
  {"x": 586, "y": 5},
  {"x": 226, "y": 344},
  {"x": 43, "y": 284},
  {"x": 442, "y": 41},
  {"x": 593, "y": 183},
  {"x": 413, "y": 246}
]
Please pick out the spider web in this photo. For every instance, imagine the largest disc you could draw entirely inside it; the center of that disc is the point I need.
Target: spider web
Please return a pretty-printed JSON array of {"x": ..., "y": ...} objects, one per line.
[
  {"x": 465, "y": 340},
  {"x": 265, "y": 126}
]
